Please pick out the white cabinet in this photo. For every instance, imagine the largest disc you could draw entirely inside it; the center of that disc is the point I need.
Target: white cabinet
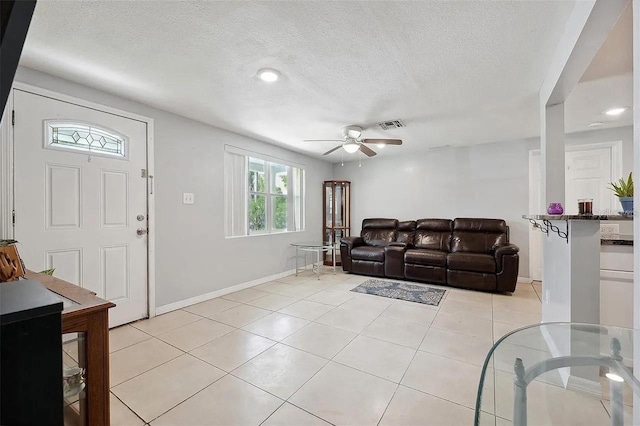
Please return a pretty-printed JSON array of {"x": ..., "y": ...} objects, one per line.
[{"x": 616, "y": 285}]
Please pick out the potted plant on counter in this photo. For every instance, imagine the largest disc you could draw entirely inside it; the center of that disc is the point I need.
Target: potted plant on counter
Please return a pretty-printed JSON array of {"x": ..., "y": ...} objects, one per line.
[{"x": 624, "y": 190}]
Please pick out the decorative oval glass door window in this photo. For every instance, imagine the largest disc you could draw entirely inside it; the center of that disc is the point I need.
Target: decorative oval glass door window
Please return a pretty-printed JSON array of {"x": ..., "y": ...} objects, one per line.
[{"x": 85, "y": 138}]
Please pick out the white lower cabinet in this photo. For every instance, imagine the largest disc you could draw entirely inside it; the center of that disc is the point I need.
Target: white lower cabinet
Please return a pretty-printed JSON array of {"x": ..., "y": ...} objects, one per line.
[{"x": 616, "y": 286}]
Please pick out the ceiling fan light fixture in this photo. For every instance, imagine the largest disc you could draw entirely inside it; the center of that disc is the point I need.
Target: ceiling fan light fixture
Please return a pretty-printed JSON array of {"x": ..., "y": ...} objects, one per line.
[
  {"x": 351, "y": 147},
  {"x": 381, "y": 145}
]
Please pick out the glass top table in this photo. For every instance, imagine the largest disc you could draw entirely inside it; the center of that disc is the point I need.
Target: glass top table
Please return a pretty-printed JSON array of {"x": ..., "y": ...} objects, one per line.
[
  {"x": 559, "y": 374},
  {"x": 318, "y": 248}
]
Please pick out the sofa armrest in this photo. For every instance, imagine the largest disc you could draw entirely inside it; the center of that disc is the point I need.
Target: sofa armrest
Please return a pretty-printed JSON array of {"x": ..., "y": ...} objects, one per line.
[
  {"x": 508, "y": 263},
  {"x": 346, "y": 244},
  {"x": 352, "y": 242},
  {"x": 504, "y": 250}
]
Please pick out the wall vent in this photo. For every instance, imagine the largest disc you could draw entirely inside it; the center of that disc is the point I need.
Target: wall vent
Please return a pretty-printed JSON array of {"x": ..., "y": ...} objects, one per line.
[{"x": 391, "y": 124}]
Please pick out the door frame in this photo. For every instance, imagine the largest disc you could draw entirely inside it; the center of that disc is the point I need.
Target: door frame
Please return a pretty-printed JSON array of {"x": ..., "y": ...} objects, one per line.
[
  {"x": 616, "y": 170},
  {"x": 7, "y": 168}
]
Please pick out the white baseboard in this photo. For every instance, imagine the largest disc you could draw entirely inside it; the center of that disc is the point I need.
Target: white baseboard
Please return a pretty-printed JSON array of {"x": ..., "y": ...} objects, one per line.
[{"x": 208, "y": 296}]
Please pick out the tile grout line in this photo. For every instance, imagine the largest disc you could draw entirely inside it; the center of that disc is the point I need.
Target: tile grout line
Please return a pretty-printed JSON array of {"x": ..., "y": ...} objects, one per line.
[
  {"x": 113, "y": 395},
  {"x": 188, "y": 398},
  {"x": 439, "y": 397},
  {"x": 230, "y": 374},
  {"x": 328, "y": 361}
]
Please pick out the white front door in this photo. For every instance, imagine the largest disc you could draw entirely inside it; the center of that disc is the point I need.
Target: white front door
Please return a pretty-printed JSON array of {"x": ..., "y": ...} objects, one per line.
[{"x": 80, "y": 199}]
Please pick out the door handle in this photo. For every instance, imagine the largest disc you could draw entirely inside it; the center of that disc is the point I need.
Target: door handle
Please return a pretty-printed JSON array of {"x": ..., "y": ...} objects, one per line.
[{"x": 141, "y": 231}]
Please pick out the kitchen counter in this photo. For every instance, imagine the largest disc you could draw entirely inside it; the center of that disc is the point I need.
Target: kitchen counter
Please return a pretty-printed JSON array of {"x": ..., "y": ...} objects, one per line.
[{"x": 577, "y": 217}]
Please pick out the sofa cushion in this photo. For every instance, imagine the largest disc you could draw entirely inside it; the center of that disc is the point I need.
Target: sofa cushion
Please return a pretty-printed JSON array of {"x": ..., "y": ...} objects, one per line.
[
  {"x": 379, "y": 224},
  {"x": 379, "y": 232},
  {"x": 370, "y": 253},
  {"x": 426, "y": 257},
  {"x": 406, "y": 231},
  {"x": 433, "y": 234},
  {"x": 478, "y": 235},
  {"x": 475, "y": 262}
]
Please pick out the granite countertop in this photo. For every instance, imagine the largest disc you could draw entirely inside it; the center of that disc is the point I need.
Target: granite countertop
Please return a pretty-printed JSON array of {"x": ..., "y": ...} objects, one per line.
[
  {"x": 576, "y": 217},
  {"x": 616, "y": 240}
]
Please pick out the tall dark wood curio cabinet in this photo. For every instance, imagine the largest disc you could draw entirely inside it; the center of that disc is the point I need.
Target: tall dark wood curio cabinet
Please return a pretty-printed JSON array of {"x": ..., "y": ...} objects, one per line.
[{"x": 336, "y": 223}]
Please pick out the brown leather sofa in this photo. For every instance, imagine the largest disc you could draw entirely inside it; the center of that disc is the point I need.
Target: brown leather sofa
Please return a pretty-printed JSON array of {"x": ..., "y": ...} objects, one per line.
[{"x": 466, "y": 253}]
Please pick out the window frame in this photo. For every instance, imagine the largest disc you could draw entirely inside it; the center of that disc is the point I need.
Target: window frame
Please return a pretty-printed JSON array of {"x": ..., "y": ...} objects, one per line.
[
  {"x": 269, "y": 196},
  {"x": 48, "y": 137},
  {"x": 237, "y": 195}
]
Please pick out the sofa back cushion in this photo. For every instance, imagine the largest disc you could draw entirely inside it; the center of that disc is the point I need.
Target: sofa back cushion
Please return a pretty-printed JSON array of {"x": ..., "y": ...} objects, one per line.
[
  {"x": 406, "y": 231},
  {"x": 433, "y": 234},
  {"x": 379, "y": 232},
  {"x": 478, "y": 235}
]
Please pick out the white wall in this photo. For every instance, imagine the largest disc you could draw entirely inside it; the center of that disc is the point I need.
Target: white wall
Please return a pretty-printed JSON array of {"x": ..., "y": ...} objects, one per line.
[
  {"x": 194, "y": 258},
  {"x": 490, "y": 180},
  {"x": 192, "y": 255}
]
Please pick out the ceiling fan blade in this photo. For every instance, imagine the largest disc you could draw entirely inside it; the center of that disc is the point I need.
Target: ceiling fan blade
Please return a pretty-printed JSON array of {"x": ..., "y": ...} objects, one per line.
[
  {"x": 322, "y": 140},
  {"x": 383, "y": 141},
  {"x": 331, "y": 150},
  {"x": 367, "y": 151}
]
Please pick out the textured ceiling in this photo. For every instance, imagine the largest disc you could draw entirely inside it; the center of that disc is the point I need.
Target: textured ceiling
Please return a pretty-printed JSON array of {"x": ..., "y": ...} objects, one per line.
[
  {"x": 615, "y": 57},
  {"x": 457, "y": 73},
  {"x": 607, "y": 82}
]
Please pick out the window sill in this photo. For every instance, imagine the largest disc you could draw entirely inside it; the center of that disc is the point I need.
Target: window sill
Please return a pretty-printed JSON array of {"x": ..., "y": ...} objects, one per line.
[{"x": 265, "y": 234}]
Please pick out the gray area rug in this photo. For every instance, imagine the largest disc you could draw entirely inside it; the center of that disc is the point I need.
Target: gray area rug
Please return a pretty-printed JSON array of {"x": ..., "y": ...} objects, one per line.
[{"x": 419, "y": 293}]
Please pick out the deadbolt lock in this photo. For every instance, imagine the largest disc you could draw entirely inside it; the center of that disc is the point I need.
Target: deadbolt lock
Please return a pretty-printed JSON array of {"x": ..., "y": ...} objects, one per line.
[{"x": 140, "y": 217}]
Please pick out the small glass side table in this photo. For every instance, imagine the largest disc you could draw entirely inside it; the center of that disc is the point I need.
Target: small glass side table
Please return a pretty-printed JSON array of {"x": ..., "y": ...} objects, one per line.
[
  {"x": 319, "y": 249},
  {"x": 559, "y": 374}
]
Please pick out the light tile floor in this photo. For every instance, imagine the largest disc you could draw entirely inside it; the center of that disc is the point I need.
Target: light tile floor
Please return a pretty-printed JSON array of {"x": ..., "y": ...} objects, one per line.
[{"x": 302, "y": 351}]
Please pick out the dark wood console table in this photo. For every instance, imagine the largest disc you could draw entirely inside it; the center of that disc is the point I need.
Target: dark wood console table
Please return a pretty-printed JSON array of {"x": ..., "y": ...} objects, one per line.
[{"x": 88, "y": 315}]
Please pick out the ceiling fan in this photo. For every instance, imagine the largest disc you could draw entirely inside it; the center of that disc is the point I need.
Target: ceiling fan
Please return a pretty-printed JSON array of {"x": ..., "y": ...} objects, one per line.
[{"x": 352, "y": 142}]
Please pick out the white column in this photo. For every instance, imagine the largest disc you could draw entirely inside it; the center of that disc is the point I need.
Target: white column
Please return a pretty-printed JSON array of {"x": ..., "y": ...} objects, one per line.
[
  {"x": 571, "y": 293},
  {"x": 636, "y": 203},
  {"x": 552, "y": 154}
]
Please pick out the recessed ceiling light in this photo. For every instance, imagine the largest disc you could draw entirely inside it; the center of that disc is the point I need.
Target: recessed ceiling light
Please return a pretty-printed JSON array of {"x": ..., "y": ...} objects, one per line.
[
  {"x": 595, "y": 124},
  {"x": 614, "y": 377},
  {"x": 615, "y": 111},
  {"x": 269, "y": 75}
]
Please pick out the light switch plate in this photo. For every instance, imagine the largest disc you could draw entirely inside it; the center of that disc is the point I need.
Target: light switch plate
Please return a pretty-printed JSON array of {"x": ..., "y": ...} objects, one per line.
[{"x": 188, "y": 198}]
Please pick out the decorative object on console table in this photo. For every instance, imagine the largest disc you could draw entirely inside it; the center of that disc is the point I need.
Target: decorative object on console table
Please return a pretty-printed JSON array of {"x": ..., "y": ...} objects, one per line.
[
  {"x": 624, "y": 191},
  {"x": 11, "y": 267},
  {"x": 336, "y": 218},
  {"x": 555, "y": 208}
]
